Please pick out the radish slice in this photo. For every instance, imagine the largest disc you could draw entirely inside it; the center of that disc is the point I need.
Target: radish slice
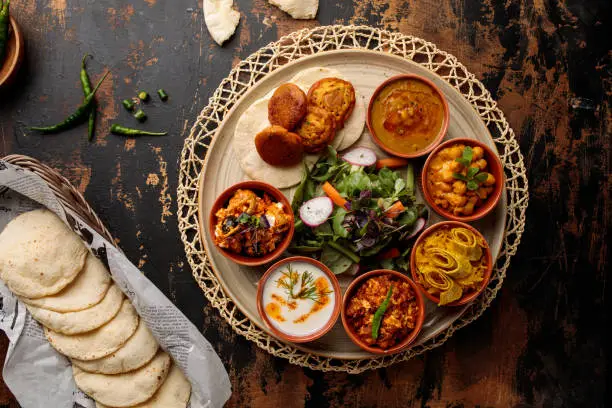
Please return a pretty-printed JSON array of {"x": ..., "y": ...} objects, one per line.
[
  {"x": 316, "y": 211},
  {"x": 418, "y": 226},
  {"x": 360, "y": 156}
]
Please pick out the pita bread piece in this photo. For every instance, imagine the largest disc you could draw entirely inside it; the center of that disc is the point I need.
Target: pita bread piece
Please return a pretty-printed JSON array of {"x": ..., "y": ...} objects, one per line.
[
  {"x": 87, "y": 289},
  {"x": 298, "y": 9},
  {"x": 128, "y": 389},
  {"x": 136, "y": 352},
  {"x": 221, "y": 19},
  {"x": 100, "y": 342},
  {"x": 173, "y": 393},
  {"x": 39, "y": 254}
]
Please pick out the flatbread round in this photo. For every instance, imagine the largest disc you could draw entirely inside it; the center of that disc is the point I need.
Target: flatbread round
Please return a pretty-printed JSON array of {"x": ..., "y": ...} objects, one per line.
[
  {"x": 173, "y": 393},
  {"x": 87, "y": 289},
  {"x": 252, "y": 121},
  {"x": 306, "y": 78},
  {"x": 83, "y": 320},
  {"x": 128, "y": 389},
  {"x": 100, "y": 342},
  {"x": 136, "y": 352},
  {"x": 353, "y": 127},
  {"x": 39, "y": 255}
]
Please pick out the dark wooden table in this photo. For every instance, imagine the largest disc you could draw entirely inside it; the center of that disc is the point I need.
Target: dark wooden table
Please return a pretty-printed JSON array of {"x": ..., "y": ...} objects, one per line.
[{"x": 546, "y": 62}]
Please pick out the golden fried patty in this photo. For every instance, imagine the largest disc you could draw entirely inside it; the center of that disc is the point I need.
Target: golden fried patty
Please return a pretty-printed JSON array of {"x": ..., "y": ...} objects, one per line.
[
  {"x": 334, "y": 95},
  {"x": 287, "y": 106},
  {"x": 279, "y": 147},
  {"x": 317, "y": 129}
]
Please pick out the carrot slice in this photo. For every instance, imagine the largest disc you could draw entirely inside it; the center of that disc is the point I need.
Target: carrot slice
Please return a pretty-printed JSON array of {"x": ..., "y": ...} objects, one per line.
[
  {"x": 395, "y": 209},
  {"x": 334, "y": 195},
  {"x": 392, "y": 163},
  {"x": 390, "y": 254}
]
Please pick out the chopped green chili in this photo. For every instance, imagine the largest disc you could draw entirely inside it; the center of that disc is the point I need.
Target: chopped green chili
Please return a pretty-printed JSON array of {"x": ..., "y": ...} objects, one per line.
[
  {"x": 128, "y": 104},
  {"x": 143, "y": 96},
  {"x": 140, "y": 115},
  {"x": 162, "y": 95}
]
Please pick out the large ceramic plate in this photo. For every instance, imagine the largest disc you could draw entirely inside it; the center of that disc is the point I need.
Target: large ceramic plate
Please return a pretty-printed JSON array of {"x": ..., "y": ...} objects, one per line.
[{"x": 366, "y": 70}]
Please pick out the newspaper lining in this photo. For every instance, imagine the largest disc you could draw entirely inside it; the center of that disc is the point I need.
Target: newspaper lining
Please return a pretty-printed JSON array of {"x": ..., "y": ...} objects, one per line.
[{"x": 38, "y": 375}]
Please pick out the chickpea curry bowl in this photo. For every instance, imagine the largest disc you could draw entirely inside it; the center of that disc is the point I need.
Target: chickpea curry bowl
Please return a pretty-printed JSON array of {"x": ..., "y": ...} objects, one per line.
[
  {"x": 462, "y": 180},
  {"x": 251, "y": 223},
  {"x": 383, "y": 311}
]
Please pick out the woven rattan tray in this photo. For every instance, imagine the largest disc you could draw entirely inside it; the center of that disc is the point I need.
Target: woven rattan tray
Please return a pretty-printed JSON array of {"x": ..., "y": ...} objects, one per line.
[{"x": 293, "y": 47}]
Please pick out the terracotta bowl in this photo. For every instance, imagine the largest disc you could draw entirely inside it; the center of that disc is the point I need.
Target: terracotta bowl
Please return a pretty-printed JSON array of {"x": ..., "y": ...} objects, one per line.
[
  {"x": 337, "y": 297},
  {"x": 495, "y": 168},
  {"x": 438, "y": 138},
  {"x": 259, "y": 188},
  {"x": 487, "y": 274},
  {"x": 420, "y": 317},
  {"x": 14, "y": 55}
]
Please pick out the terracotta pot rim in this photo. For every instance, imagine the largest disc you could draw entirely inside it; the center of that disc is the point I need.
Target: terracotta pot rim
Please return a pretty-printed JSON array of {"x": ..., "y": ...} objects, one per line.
[
  {"x": 257, "y": 186},
  {"x": 465, "y": 299},
  {"x": 439, "y": 137},
  {"x": 337, "y": 298},
  {"x": 16, "y": 38},
  {"x": 420, "y": 317}
]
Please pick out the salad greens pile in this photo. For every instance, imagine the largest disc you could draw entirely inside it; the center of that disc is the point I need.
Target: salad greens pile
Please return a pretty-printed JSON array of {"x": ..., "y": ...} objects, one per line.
[{"x": 363, "y": 231}]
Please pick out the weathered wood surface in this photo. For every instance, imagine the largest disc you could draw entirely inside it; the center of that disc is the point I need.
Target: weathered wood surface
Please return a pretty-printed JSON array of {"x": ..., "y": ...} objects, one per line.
[{"x": 547, "y": 62}]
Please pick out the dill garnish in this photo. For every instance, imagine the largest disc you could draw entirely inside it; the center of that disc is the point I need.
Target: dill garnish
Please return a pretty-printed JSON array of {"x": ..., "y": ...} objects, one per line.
[{"x": 303, "y": 283}]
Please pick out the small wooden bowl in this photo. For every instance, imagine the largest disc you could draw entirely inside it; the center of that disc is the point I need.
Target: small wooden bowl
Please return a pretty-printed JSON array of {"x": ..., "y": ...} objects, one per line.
[
  {"x": 337, "y": 298},
  {"x": 404, "y": 343},
  {"x": 257, "y": 187},
  {"x": 15, "y": 51},
  {"x": 487, "y": 274},
  {"x": 495, "y": 168},
  {"x": 438, "y": 138}
]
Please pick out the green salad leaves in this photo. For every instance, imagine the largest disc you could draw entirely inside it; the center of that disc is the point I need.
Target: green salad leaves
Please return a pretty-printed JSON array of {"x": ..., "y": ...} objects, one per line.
[{"x": 366, "y": 228}]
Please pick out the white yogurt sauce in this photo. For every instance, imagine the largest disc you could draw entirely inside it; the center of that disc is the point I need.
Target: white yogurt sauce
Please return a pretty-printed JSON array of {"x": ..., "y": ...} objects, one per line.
[{"x": 300, "y": 308}]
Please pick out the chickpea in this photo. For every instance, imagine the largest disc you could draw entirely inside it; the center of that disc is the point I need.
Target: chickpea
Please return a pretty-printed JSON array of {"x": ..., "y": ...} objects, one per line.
[
  {"x": 477, "y": 153},
  {"x": 482, "y": 193},
  {"x": 456, "y": 151},
  {"x": 459, "y": 187},
  {"x": 490, "y": 180},
  {"x": 442, "y": 186},
  {"x": 456, "y": 199},
  {"x": 441, "y": 203},
  {"x": 468, "y": 209},
  {"x": 445, "y": 154},
  {"x": 481, "y": 164},
  {"x": 447, "y": 176},
  {"x": 455, "y": 166}
]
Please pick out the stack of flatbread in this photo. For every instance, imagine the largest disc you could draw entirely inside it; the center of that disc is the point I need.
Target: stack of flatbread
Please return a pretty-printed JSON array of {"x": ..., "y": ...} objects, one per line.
[{"x": 116, "y": 360}]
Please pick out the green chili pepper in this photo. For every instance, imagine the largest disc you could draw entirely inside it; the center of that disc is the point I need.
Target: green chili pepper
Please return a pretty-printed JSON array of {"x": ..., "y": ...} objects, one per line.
[
  {"x": 76, "y": 117},
  {"x": 380, "y": 312},
  {"x": 143, "y": 96},
  {"x": 124, "y": 131},
  {"x": 128, "y": 104},
  {"x": 140, "y": 115},
  {"x": 4, "y": 28},
  {"x": 162, "y": 95},
  {"x": 86, "y": 83}
]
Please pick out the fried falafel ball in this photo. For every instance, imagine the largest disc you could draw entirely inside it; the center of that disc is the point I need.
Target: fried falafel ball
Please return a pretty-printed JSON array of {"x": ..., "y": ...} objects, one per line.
[
  {"x": 279, "y": 147},
  {"x": 317, "y": 130},
  {"x": 334, "y": 95},
  {"x": 287, "y": 106}
]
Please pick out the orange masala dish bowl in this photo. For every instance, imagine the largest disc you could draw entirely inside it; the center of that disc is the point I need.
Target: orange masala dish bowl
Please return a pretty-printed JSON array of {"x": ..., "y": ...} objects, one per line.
[
  {"x": 383, "y": 311},
  {"x": 451, "y": 263},
  {"x": 462, "y": 179},
  {"x": 251, "y": 223},
  {"x": 299, "y": 299},
  {"x": 408, "y": 116}
]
